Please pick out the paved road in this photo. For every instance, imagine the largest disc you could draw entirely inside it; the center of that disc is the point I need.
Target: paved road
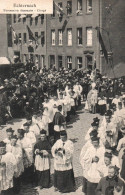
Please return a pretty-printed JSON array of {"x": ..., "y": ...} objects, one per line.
[{"x": 76, "y": 130}]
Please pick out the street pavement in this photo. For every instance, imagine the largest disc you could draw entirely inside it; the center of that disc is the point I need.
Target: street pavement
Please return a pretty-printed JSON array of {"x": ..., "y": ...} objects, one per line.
[{"x": 76, "y": 130}]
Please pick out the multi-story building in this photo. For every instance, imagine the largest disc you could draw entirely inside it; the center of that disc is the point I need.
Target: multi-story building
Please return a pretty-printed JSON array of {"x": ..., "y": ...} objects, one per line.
[
  {"x": 79, "y": 34},
  {"x": 3, "y": 36},
  {"x": 34, "y": 47}
]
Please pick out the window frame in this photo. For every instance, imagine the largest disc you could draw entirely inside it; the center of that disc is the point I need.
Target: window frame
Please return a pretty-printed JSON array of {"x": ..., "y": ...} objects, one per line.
[
  {"x": 42, "y": 18},
  {"x": 89, "y": 45},
  {"x": 60, "y": 34},
  {"x": 42, "y": 37},
  {"x": 69, "y": 62},
  {"x": 68, "y": 29},
  {"x": 78, "y": 36},
  {"x": 20, "y": 38},
  {"x": 69, "y": 8},
  {"x": 19, "y": 19},
  {"x": 78, "y": 63},
  {"x": 87, "y": 6},
  {"x": 54, "y": 11},
  {"x": 78, "y": 3},
  {"x": 24, "y": 38},
  {"x": 60, "y": 61},
  {"x": 53, "y": 44}
]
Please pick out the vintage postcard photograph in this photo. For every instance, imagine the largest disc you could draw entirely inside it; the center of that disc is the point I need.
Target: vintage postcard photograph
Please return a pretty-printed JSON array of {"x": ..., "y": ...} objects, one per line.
[{"x": 62, "y": 97}]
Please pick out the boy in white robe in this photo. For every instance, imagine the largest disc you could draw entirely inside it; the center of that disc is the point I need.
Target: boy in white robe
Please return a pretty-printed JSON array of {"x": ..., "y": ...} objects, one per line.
[
  {"x": 77, "y": 88},
  {"x": 16, "y": 150},
  {"x": 29, "y": 134},
  {"x": 27, "y": 148},
  {"x": 90, "y": 161},
  {"x": 7, "y": 169}
]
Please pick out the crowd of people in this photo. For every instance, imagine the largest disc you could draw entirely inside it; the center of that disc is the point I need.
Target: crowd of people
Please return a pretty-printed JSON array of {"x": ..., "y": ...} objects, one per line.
[{"x": 48, "y": 99}]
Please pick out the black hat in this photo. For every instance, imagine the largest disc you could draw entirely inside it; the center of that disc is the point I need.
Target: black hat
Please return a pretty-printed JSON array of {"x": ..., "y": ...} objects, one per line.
[
  {"x": 63, "y": 133},
  {"x": 94, "y": 124},
  {"x": 107, "y": 146},
  {"x": 14, "y": 137},
  {"x": 21, "y": 131},
  {"x": 60, "y": 107},
  {"x": 108, "y": 155},
  {"x": 108, "y": 113},
  {"x": 9, "y": 130},
  {"x": 94, "y": 139},
  {"x": 96, "y": 119},
  {"x": 113, "y": 105},
  {"x": 61, "y": 93},
  {"x": 93, "y": 133},
  {"x": 2, "y": 144},
  {"x": 43, "y": 132}
]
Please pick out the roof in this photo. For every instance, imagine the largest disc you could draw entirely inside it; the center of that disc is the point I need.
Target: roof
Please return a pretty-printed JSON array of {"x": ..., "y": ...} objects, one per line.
[{"x": 4, "y": 61}]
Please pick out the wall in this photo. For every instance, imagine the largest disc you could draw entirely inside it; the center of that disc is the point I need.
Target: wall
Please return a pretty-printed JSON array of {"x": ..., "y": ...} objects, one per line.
[
  {"x": 74, "y": 21},
  {"x": 3, "y": 36},
  {"x": 114, "y": 23}
]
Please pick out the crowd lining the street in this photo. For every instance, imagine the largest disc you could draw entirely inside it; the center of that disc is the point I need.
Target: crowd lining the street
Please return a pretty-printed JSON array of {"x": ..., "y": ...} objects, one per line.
[{"x": 48, "y": 99}]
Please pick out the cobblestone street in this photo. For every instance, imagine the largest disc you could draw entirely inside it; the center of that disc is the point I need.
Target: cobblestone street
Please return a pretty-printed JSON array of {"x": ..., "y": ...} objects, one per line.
[{"x": 76, "y": 130}]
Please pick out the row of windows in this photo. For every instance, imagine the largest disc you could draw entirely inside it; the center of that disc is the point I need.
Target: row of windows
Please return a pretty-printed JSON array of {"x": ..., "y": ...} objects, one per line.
[
  {"x": 19, "y": 17},
  {"x": 23, "y": 18},
  {"x": 23, "y": 38},
  {"x": 79, "y": 38},
  {"x": 79, "y": 6},
  {"x": 89, "y": 36},
  {"x": 69, "y": 61},
  {"x": 40, "y": 59}
]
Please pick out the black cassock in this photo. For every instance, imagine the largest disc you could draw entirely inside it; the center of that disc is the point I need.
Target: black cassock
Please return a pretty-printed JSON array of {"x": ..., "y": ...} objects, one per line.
[{"x": 43, "y": 177}]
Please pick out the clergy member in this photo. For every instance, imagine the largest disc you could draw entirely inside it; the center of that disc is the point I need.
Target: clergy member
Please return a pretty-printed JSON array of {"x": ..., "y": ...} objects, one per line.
[
  {"x": 42, "y": 151},
  {"x": 7, "y": 169},
  {"x": 62, "y": 152},
  {"x": 9, "y": 133}
]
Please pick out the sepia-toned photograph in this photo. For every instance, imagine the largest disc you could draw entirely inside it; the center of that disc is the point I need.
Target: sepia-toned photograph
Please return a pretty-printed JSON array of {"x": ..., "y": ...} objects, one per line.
[{"x": 62, "y": 97}]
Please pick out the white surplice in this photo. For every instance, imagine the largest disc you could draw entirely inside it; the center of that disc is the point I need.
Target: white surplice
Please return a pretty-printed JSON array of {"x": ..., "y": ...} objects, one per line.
[
  {"x": 90, "y": 168},
  {"x": 7, "y": 169},
  {"x": 26, "y": 145},
  {"x": 64, "y": 163},
  {"x": 18, "y": 154}
]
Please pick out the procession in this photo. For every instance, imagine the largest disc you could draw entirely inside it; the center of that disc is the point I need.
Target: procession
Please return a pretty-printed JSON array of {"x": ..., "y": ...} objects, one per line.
[
  {"x": 26, "y": 151},
  {"x": 62, "y": 98}
]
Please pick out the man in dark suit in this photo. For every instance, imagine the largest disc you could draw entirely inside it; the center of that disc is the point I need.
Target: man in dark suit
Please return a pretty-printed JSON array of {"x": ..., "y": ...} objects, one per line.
[{"x": 107, "y": 184}]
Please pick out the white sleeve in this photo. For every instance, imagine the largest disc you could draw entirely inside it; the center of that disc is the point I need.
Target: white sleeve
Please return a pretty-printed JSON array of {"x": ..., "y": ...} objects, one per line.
[
  {"x": 119, "y": 145},
  {"x": 54, "y": 147},
  {"x": 81, "y": 89},
  {"x": 33, "y": 138}
]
